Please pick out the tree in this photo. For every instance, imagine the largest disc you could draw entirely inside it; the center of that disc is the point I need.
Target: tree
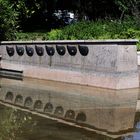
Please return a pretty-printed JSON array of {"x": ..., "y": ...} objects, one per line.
[
  {"x": 26, "y": 9},
  {"x": 128, "y": 7},
  {"x": 8, "y": 21}
]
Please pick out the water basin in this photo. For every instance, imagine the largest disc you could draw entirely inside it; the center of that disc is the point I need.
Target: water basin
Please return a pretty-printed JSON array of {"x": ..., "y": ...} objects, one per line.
[{"x": 33, "y": 109}]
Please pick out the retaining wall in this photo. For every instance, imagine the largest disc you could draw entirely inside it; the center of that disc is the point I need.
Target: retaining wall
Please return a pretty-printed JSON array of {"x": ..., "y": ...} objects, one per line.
[{"x": 108, "y": 64}]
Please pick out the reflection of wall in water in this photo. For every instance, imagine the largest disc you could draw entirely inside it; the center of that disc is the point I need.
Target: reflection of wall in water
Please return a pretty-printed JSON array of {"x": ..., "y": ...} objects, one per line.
[{"x": 108, "y": 110}]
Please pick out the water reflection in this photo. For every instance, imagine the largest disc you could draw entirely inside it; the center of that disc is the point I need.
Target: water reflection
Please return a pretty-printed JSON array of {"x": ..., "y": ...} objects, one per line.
[{"x": 85, "y": 112}]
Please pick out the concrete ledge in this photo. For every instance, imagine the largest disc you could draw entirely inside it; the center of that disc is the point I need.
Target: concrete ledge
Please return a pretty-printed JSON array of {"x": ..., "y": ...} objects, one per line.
[{"x": 117, "y": 41}]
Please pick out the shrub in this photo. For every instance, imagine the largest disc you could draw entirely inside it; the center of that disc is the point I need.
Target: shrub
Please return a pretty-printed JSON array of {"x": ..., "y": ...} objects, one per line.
[
  {"x": 7, "y": 21},
  {"x": 106, "y": 29},
  {"x": 84, "y": 30},
  {"x": 31, "y": 36},
  {"x": 54, "y": 34},
  {"x": 101, "y": 29}
]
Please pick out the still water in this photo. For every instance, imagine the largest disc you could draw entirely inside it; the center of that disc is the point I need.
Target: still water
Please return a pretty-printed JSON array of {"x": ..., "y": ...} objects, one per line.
[{"x": 43, "y": 110}]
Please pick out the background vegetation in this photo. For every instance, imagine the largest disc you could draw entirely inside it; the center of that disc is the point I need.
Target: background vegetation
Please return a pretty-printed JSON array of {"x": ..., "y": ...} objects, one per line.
[
  {"x": 102, "y": 19},
  {"x": 8, "y": 21},
  {"x": 101, "y": 29}
]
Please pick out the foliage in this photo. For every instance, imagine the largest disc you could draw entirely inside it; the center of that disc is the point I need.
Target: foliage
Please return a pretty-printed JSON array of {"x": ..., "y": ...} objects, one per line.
[
  {"x": 31, "y": 36},
  {"x": 54, "y": 34},
  {"x": 129, "y": 7},
  {"x": 36, "y": 14},
  {"x": 39, "y": 13},
  {"x": 12, "y": 123},
  {"x": 26, "y": 10},
  {"x": 7, "y": 21},
  {"x": 101, "y": 29}
]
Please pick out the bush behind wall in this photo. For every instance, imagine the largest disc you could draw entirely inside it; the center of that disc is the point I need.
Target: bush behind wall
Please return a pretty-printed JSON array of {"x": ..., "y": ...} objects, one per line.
[{"x": 8, "y": 23}]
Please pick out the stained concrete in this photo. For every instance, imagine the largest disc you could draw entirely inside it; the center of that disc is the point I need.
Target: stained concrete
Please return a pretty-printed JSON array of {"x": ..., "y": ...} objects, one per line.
[{"x": 109, "y": 63}]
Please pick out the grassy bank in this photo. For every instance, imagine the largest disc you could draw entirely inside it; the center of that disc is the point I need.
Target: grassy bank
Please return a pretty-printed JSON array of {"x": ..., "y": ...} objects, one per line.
[{"x": 109, "y": 29}]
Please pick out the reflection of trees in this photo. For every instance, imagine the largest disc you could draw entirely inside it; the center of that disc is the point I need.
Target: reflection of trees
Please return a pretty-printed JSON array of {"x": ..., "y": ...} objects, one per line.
[
  {"x": 137, "y": 120},
  {"x": 13, "y": 122}
]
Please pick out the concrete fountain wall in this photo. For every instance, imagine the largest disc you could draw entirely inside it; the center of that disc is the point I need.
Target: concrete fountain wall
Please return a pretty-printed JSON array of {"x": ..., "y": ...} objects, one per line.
[{"x": 108, "y": 64}]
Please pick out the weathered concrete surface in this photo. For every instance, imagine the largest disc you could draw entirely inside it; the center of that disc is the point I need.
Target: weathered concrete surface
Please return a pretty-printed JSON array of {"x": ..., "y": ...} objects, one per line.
[
  {"x": 138, "y": 106},
  {"x": 138, "y": 57},
  {"x": 108, "y": 64}
]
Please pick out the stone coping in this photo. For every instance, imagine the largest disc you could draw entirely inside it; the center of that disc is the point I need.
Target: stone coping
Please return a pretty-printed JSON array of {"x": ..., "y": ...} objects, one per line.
[{"x": 96, "y": 42}]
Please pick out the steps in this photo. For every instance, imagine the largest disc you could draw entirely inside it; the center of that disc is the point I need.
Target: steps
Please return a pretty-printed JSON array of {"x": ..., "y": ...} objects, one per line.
[{"x": 11, "y": 73}]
